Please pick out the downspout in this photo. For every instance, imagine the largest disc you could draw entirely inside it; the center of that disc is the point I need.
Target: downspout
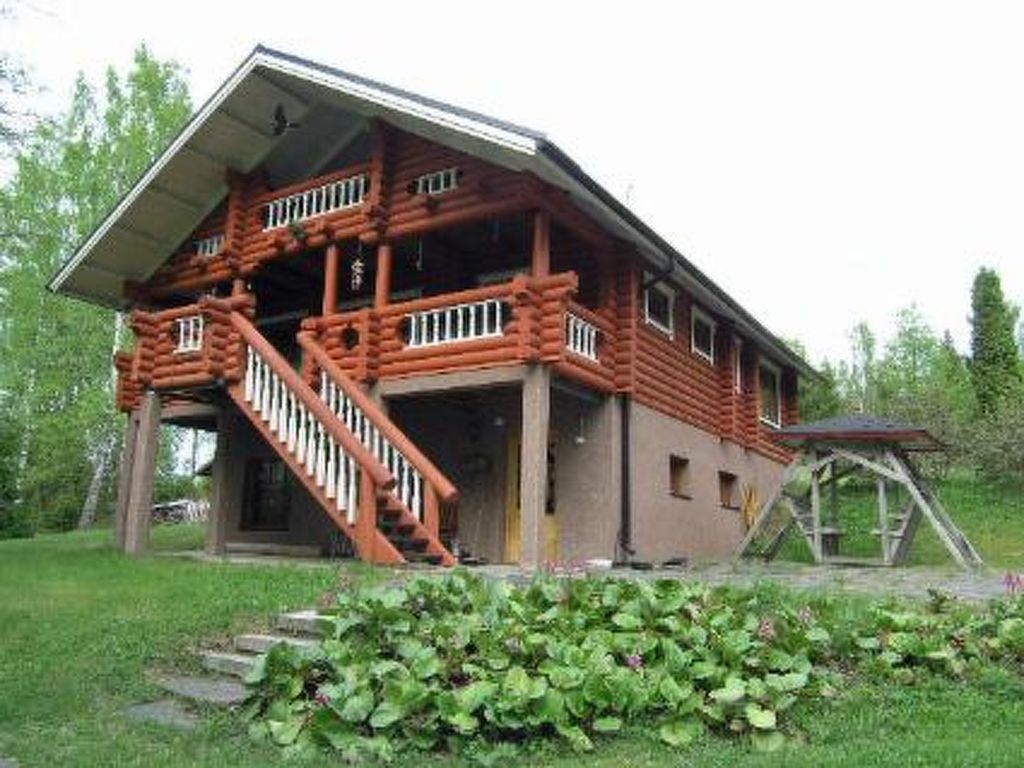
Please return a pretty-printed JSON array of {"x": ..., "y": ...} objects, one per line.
[{"x": 625, "y": 501}]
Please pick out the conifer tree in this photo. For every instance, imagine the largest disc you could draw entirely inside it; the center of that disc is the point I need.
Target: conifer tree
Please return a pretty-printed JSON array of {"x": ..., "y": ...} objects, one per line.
[{"x": 996, "y": 372}]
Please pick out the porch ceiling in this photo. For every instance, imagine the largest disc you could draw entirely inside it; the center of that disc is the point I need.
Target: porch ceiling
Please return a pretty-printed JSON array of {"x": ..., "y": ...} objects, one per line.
[{"x": 234, "y": 130}]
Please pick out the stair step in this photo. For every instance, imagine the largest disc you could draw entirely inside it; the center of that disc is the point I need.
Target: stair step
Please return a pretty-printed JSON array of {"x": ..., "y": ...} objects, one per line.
[
  {"x": 218, "y": 691},
  {"x": 422, "y": 557},
  {"x": 263, "y": 643},
  {"x": 226, "y": 663},
  {"x": 406, "y": 544},
  {"x": 307, "y": 622},
  {"x": 389, "y": 528}
]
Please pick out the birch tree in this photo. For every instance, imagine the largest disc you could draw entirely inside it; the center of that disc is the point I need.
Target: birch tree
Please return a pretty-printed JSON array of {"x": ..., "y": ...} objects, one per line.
[{"x": 57, "y": 372}]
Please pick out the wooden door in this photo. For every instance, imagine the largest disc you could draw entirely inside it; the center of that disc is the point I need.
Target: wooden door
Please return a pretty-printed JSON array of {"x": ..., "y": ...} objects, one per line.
[{"x": 513, "y": 506}]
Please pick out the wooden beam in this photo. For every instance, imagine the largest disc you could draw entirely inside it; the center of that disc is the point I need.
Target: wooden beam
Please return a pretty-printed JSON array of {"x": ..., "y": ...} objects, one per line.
[
  {"x": 139, "y": 513},
  {"x": 816, "y": 513},
  {"x": 540, "y": 261},
  {"x": 382, "y": 286},
  {"x": 883, "y": 522},
  {"x": 331, "y": 266}
]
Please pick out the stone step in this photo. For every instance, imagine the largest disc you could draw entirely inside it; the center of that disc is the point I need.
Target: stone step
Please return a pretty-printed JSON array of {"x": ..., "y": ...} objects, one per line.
[
  {"x": 263, "y": 643},
  {"x": 271, "y": 548},
  {"x": 220, "y": 691},
  {"x": 305, "y": 622},
  {"x": 226, "y": 663}
]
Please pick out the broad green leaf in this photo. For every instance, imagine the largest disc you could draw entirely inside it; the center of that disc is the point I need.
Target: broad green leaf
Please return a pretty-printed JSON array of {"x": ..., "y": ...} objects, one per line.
[
  {"x": 679, "y": 733},
  {"x": 607, "y": 725},
  {"x": 386, "y": 714},
  {"x": 759, "y": 717}
]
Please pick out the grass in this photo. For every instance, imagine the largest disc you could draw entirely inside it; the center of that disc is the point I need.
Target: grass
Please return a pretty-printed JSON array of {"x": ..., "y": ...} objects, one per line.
[
  {"x": 80, "y": 625},
  {"x": 990, "y": 515}
]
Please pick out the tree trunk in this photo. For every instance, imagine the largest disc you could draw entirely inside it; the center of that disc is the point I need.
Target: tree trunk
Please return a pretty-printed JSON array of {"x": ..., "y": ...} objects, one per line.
[{"x": 92, "y": 496}]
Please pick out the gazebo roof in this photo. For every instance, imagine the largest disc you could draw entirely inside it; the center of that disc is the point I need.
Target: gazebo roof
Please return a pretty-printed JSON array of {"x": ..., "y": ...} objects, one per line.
[{"x": 859, "y": 428}]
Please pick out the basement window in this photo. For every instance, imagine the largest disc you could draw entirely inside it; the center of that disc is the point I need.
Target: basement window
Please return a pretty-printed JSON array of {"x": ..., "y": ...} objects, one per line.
[
  {"x": 658, "y": 301},
  {"x": 679, "y": 476},
  {"x": 728, "y": 490},
  {"x": 769, "y": 377},
  {"x": 436, "y": 183},
  {"x": 702, "y": 335}
]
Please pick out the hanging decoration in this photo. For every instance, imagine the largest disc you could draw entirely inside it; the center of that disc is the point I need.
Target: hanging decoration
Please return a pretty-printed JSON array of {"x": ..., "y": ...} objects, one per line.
[{"x": 358, "y": 270}]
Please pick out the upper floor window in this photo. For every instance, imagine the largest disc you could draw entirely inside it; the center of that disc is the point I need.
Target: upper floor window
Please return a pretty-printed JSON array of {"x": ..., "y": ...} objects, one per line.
[
  {"x": 770, "y": 379},
  {"x": 437, "y": 182},
  {"x": 658, "y": 301},
  {"x": 209, "y": 246},
  {"x": 702, "y": 335}
]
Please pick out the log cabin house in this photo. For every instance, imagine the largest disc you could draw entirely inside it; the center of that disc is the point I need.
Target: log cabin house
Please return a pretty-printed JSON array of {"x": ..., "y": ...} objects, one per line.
[{"x": 422, "y": 333}]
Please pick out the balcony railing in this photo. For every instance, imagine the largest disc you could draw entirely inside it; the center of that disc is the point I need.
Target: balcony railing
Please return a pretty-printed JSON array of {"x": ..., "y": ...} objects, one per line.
[
  {"x": 318, "y": 201},
  {"x": 580, "y": 337},
  {"x": 460, "y": 322}
]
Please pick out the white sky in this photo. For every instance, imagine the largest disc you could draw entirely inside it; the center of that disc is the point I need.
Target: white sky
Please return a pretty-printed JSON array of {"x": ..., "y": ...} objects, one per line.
[{"x": 823, "y": 162}]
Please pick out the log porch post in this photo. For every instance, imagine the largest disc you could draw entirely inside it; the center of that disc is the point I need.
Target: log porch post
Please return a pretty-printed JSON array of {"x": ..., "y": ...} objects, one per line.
[
  {"x": 533, "y": 460},
  {"x": 220, "y": 496},
  {"x": 382, "y": 286},
  {"x": 139, "y": 512},
  {"x": 124, "y": 478},
  {"x": 540, "y": 261},
  {"x": 331, "y": 265}
]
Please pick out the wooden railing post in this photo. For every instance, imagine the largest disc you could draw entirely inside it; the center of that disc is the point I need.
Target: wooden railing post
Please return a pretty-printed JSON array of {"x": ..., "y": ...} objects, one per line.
[
  {"x": 366, "y": 522},
  {"x": 431, "y": 510}
]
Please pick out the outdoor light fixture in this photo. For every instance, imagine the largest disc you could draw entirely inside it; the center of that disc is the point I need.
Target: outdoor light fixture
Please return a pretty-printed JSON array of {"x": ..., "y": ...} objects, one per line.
[{"x": 580, "y": 438}]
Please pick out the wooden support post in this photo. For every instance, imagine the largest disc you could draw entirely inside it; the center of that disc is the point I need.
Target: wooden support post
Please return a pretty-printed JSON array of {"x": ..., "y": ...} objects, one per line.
[
  {"x": 366, "y": 521},
  {"x": 533, "y": 480},
  {"x": 540, "y": 262},
  {"x": 431, "y": 511},
  {"x": 220, "y": 497},
  {"x": 124, "y": 478},
  {"x": 883, "y": 522},
  {"x": 816, "y": 513},
  {"x": 382, "y": 287},
  {"x": 139, "y": 512},
  {"x": 332, "y": 261}
]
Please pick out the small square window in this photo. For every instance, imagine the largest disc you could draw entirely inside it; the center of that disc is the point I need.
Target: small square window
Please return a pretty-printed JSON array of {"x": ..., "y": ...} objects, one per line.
[
  {"x": 771, "y": 394},
  {"x": 702, "y": 335},
  {"x": 679, "y": 476},
  {"x": 728, "y": 490},
  {"x": 658, "y": 301}
]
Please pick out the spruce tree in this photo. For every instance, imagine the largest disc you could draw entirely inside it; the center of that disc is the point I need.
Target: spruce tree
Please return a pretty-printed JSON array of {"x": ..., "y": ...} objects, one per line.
[{"x": 996, "y": 372}]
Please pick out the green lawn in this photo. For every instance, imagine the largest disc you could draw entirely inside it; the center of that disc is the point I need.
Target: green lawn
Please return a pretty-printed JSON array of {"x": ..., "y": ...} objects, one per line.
[{"x": 80, "y": 625}]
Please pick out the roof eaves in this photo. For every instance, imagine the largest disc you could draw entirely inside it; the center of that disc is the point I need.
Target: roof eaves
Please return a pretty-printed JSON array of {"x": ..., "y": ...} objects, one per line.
[{"x": 660, "y": 246}]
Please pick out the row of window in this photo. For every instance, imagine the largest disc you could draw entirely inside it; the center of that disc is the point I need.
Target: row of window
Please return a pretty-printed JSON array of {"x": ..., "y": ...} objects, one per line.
[
  {"x": 679, "y": 483},
  {"x": 659, "y": 312}
]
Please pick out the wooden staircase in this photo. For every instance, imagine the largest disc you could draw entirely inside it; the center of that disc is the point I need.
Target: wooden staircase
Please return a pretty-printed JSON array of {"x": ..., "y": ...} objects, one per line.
[{"x": 366, "y": 475}]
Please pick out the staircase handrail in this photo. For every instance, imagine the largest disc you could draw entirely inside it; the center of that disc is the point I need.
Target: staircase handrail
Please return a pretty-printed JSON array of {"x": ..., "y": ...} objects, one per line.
[
  {"x": 444, "y": 488},
  {"x": 381, "y": 477}
]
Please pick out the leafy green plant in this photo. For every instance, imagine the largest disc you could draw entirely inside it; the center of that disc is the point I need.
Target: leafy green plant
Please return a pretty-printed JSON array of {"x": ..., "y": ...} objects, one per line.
[{"x": 476, "y": 666}]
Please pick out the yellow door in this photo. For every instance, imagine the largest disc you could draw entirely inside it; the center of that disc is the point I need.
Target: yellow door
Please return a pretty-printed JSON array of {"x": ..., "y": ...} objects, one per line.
[{"x": 513, "y": 510}]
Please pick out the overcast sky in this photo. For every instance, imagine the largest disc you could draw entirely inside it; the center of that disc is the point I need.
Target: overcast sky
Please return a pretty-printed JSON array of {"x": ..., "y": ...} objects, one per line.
[{"x": 823, "y": 162}]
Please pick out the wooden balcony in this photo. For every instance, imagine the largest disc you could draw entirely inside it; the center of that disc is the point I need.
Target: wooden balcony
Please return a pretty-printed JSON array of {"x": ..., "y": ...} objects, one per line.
[
  {"x": 523, "y": 320},
  {"x": 183, "y": 348}
]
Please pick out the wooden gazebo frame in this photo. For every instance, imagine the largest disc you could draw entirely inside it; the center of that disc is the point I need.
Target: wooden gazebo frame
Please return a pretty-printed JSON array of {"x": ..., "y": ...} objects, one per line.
[{"x": 830, "y": 450}]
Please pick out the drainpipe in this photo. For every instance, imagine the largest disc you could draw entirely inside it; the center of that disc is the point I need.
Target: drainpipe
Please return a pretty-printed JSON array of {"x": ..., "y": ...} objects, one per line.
[{"x": 626, "y": 510}]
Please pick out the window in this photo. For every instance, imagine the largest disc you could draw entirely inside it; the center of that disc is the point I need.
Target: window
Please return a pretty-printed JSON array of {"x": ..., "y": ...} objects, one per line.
[
  {"x": 267, "y": 496},
  {"x": 658, "y": 301},
  {"x": 702, "y": 335},
  {"x": 737, "y": 366},
  {"x": 771, "y": 394},
  {"x": 679, "y": 476},
  {"x": 728, "y": 485},
  {"x": 436, "y": 183}
]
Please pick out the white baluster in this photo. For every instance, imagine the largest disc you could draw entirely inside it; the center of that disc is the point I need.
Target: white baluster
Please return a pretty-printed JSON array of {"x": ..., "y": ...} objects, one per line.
[
  {"x": 249, "y": 355},
  {"x": 300, "y": 437},
  {"x": 321, "y": 457},
  {"x": 292, "y": 422},
  {"x": 332, "y": 457},
  {"x": 310, "y": 444},
  {"x": 352, "y": 497}
]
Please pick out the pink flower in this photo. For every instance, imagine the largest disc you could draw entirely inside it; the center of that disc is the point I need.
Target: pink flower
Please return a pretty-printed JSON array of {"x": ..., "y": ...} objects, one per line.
[
  {"x": 1014, "y": 582},
  {"x": 321, "y": 698},
  {"x": 634, "y": 661},
  {"x": 766, "y": 629}
]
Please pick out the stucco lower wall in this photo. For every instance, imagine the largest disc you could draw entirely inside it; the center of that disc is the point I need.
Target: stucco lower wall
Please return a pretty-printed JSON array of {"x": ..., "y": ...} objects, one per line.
[
  {"x": 307, "y": 524},
  {"x": 666, "y": 525}
]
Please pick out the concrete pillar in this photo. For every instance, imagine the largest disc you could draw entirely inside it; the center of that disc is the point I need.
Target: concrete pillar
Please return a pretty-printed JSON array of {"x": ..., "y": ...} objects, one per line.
[
  {"x": 220, "y": 492},
  {"x": 533, "y": 481},
  {"x": 139, "y": 512},
  {"x": 124, "y": 477}
]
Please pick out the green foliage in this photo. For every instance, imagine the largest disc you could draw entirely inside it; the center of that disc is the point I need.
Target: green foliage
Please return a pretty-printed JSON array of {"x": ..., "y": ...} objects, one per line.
[
  {"x": 57, "y": 352},
  {"x": 995, "y": 358},
  {"x": 464, "y": 664}
]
